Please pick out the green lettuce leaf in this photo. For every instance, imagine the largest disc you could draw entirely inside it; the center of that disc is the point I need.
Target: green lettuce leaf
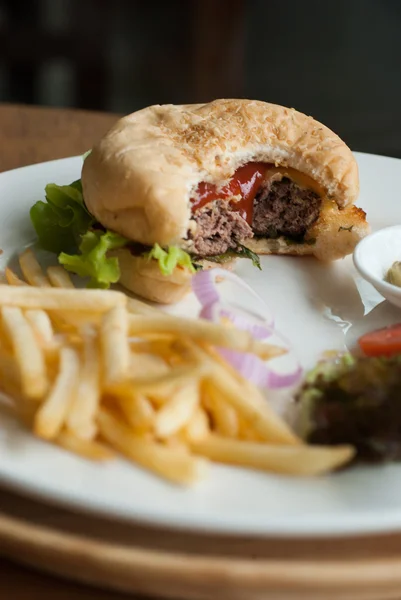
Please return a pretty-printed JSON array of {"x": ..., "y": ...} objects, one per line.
[
  {"x": 92, "y": 261},
  {"x": 221, "y": 259},
  {"x": 244, "y": 252},
  {"x": 62, "y": 219},
  {"x": 240, "y": 252},
  {"x": 64, "y": 226},
  {"x": 171, "y": 258}
]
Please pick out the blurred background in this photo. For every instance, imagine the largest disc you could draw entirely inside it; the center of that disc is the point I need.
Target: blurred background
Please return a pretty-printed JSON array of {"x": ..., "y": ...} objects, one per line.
[{"x": 338, "y": 61}]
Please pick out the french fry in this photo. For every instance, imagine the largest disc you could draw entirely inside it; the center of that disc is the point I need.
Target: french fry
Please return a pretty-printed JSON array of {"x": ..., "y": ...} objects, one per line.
[
  {"x": 203, "y": 331},
  {"x": 52, "y": 414},
  {"x": 10, "y": 378},
  {"x": 59, "y": 277},
  {"x": 148, "y": 363},
  {"x": 136, "y": 307},
  {"x": 41, "y": 325},
  {"x": 7, "y": 406},
  {"x": 247, "y": 433},
  {"x": 177, "y": 411},
  {"x": 26, "y": 411},
  {"x": 115, "y": 347},
  {"x": 172, "y": 464},
  {"x": 13, "y": 279},
  {"x": 264, "y": 420},
  {"x": 12, "y": 392},
  {"x": 75, "y": 319},
  {"x": 224, "y": 416},
  {"x": 178, "y": 442},
  {"x": 88, "y": 449},
  {"x": 244, "y": 397},
  {"x": 290, "y": 460},
  {"x": 32, "y": 270},
  {"x": 81, "y": 416},
  {"x": 198, "y": 426},
  {"x": 96, "y": 301},
  {"x": 138, "y": 411},
  {"x": 160, "y": 348},
  {"x": 28, "y": 353},
  {"x": 165, "y": 384}
]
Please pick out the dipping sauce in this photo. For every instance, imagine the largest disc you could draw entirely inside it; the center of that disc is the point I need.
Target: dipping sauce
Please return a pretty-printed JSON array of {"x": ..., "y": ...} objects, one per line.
[{"x": 393, "y": 275}]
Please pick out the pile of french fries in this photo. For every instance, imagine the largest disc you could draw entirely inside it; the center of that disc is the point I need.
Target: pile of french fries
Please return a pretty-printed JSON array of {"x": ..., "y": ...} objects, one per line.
[{"x": 102, "y": 374}]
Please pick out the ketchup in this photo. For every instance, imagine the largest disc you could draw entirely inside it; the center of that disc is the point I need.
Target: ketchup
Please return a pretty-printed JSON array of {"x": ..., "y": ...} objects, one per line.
[{"x": 245, "y": 183}]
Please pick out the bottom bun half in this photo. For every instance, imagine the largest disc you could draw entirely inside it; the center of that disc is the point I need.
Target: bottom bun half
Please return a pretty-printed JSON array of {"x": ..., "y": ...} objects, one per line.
[{"x": 144, "y": 278}]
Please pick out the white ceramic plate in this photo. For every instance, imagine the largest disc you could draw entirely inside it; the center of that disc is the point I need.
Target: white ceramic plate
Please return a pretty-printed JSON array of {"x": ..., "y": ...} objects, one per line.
[{"x": 318, "y": 307}]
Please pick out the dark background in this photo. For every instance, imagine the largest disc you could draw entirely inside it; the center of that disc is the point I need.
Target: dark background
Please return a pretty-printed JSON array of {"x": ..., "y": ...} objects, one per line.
[{"x": 339, "y": 61}]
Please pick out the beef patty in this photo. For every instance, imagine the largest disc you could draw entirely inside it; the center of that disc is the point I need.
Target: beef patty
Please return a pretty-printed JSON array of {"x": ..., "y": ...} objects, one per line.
[
  {"x": 279, "y": 208},
  {"x": 283, "y": 208},
  {"x": 218, "y": 228}
]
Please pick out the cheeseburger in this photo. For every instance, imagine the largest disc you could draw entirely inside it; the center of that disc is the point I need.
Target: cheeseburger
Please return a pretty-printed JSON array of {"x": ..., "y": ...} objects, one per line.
[{"x": 193, "y": 186}]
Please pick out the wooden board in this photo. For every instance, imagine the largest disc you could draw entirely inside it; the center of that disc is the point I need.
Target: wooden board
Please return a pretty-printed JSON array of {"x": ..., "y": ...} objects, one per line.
[
  {"x": 176, "y": 565},
  {"x": 31, "y": 134}
]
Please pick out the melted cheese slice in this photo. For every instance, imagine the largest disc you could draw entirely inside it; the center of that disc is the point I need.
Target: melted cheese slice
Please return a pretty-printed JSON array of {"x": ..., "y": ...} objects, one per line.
[{"x": 297, "y": 177}]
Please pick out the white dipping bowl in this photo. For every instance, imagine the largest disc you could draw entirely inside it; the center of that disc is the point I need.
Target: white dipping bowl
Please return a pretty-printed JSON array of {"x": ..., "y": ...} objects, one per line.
[{"x": 373, "y": 257}]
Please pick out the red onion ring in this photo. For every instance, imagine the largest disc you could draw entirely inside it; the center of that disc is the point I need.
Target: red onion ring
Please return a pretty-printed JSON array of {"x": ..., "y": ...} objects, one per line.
[
  {"x": 214, "y": 312},
  {"x": 250, "y": 366},
  {"x": 205, "y": 289},
  {"x": 254, "y": 369}
]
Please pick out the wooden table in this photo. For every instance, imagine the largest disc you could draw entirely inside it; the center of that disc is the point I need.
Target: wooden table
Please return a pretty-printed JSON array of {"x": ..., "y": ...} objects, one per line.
[{"x": 31, "y": 135}]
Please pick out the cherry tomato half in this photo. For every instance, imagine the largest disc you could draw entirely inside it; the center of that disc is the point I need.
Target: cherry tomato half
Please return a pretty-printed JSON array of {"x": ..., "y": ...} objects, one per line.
[{"x": 383, "y": 342}]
